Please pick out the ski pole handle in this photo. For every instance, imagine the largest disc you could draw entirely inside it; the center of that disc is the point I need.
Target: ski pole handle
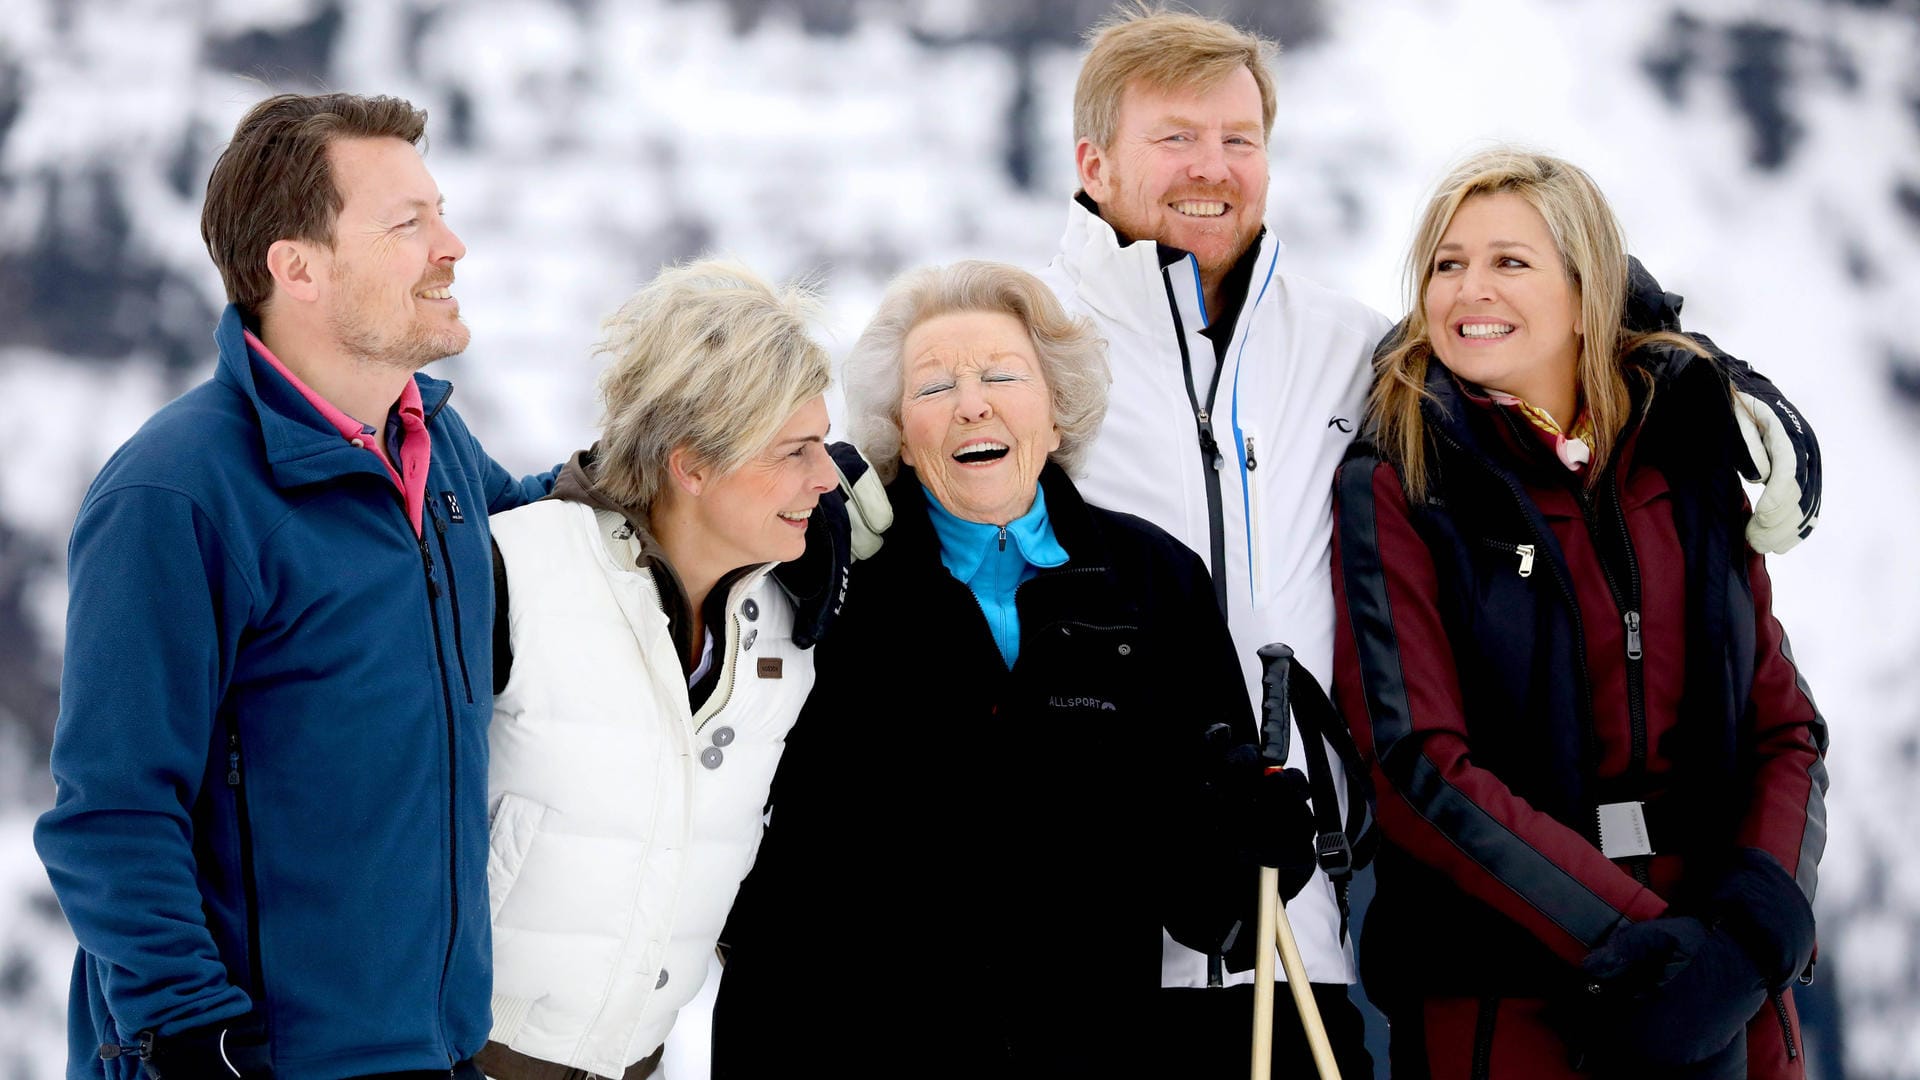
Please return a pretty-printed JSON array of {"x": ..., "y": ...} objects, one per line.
[
  {"x": 1276, "y": 668},
  {"x": 1276, "y": 726}
]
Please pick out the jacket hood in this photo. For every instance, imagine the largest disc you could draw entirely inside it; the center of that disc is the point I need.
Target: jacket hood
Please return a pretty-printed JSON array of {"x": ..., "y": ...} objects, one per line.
[
  {"x": 575, "y": 484},
  {"x": 1649, "y": 307}
]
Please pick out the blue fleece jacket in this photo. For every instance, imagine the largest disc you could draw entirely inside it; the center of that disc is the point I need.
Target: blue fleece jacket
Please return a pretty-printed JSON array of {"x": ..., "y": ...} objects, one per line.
[{"x": 271, "y": 753}]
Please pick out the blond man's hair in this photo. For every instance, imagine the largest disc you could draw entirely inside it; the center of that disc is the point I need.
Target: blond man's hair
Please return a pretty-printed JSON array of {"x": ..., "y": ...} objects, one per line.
[
  {"x": 706, "y": 356},
  {"x": 1163, "y": 49}
]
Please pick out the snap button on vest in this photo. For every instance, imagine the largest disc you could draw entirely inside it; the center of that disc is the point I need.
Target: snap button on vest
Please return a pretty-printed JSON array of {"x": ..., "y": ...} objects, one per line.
[
  {"x": 750, "y": 609},
  {"x": 723, "y": 736},
  {"x": 747, "y": 642},
  {"x": 711, "y": 757},
  {"x": 662, "y": 980}
]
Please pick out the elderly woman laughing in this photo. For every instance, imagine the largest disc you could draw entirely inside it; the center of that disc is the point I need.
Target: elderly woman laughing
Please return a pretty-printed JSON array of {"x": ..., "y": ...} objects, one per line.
[{"x": 1003, "y": 785}]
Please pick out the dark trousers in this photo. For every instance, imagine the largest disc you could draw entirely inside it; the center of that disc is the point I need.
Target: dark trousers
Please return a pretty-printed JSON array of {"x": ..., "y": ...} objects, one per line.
[
  {"x": 1208, "y": 1032},
  {"x": 502, "y": 1063}
]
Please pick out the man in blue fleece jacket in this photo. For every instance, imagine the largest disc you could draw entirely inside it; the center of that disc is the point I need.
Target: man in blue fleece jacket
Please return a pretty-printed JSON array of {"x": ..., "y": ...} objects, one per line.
[{"x": 270, "y": 831}]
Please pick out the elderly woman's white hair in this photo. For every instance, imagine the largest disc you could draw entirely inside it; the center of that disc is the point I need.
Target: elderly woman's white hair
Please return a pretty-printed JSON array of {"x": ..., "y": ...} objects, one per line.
[
  {"x": 706, "y": 356},
  {"x": 1073, "y": 357}
]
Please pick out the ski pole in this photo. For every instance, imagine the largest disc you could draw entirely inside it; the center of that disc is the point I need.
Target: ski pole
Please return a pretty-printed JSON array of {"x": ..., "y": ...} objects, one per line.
[
  {"x": 1263, "y": 975},
  {"x": 1276, "y": 666}
]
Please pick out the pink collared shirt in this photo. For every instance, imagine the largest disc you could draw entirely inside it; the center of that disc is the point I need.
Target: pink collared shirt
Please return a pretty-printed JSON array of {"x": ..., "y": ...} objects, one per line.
[{"x": 415, "y": 448}]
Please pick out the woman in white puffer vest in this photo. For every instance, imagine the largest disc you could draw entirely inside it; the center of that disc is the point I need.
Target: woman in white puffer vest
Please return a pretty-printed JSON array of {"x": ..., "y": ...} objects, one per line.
[{"x": 647, "y": 670}]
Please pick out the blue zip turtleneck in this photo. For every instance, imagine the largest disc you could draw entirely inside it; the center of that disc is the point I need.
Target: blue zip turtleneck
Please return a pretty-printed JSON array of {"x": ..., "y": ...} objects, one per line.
[{"x": 993, "y": 560}]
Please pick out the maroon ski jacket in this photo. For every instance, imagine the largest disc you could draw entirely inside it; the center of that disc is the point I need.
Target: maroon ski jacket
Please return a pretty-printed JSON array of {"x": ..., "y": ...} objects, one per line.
[{"x": 1519, "y": 650}]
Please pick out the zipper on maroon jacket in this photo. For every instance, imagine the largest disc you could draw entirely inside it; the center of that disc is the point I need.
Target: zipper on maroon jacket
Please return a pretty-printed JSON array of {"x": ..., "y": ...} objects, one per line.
[
  {"x": 1786, "y": 1023},
  {"x": 1627, "y": 601},
  {"x": 1524, "y": 553},
  {"x": 1591, "y": 827},
  {"x": 1489, "y": 1013}
]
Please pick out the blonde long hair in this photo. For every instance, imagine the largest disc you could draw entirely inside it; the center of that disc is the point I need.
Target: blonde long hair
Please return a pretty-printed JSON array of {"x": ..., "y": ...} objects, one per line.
[{"x": 1593, "y": 252}]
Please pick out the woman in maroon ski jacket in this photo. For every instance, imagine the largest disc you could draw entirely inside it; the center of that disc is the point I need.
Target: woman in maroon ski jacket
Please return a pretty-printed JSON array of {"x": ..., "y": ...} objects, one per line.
[{"x": 1600, "y": 776}]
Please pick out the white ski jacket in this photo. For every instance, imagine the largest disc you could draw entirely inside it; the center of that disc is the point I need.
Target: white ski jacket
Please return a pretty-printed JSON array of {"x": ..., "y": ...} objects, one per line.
[
  {"x": 1289, "y": 397},
  {"x": 622, "y": 823}
]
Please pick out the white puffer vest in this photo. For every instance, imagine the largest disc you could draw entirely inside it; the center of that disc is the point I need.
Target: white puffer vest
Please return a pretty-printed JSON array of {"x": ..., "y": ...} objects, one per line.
[{"x": 622, "y": 824}]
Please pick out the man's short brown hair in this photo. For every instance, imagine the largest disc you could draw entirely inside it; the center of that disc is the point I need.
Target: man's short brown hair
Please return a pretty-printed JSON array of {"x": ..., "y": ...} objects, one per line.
[
  {"x": 274, "y": 181},
  {"x": 1163, "y": 50}
]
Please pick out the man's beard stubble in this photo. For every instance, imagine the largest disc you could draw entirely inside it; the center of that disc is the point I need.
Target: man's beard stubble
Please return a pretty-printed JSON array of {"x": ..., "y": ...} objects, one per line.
[{"x": 412, "y": 348}]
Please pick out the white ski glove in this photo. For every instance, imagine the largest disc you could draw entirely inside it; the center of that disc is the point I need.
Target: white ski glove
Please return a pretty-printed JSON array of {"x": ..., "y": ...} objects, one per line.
[
  {"x": 1786, "y": 463},
  {"x": 869, "y": 514}
]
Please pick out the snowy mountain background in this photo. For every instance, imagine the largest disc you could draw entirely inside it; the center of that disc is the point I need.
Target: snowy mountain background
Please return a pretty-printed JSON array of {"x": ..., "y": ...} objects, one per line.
[{"x": 1765, "y": 157}]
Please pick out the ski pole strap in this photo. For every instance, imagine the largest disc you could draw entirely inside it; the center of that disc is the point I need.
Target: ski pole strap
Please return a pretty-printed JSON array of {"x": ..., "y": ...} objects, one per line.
[{"x": 1339, "y": 847}]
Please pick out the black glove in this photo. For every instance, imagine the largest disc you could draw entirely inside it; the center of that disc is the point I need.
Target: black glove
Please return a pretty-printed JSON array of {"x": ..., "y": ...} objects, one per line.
[
  {"x": 817, "y": 580},
  {"x": 1678, "y": 990},
  {"x": 846, "y": 525},
  {"x": 227, "y": 1048},
  {"x": 1269, "y": 818},
  {"x": 1668, "y": 993},
  {"x": 1762, "y": 907}
]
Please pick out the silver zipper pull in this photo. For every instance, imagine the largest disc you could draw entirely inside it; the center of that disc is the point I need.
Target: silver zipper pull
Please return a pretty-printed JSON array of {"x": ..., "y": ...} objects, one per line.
[
  {"x": 1003, "y": 538},
  {"x": 1633, "y": 635},
  {"x": 1525, "y": 551}
]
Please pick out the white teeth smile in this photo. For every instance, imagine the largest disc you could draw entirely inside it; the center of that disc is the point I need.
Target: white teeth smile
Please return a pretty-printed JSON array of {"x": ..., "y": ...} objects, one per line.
[
  {"x": 796, "y": 515},
  {"x": 984, "y": 450},
  {"x": 442, "y": 293},
  {"x": 1485, "y": 330},
  {"x": 1200, "y": 209}
]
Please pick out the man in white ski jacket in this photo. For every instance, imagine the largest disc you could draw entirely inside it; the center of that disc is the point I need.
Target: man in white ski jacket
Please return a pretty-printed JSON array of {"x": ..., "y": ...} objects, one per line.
[{"x": 1237, "y": 386}]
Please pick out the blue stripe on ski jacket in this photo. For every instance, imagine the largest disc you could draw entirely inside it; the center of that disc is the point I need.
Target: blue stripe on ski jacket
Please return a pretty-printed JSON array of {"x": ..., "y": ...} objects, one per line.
[{"x": 271, "y": 753}]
